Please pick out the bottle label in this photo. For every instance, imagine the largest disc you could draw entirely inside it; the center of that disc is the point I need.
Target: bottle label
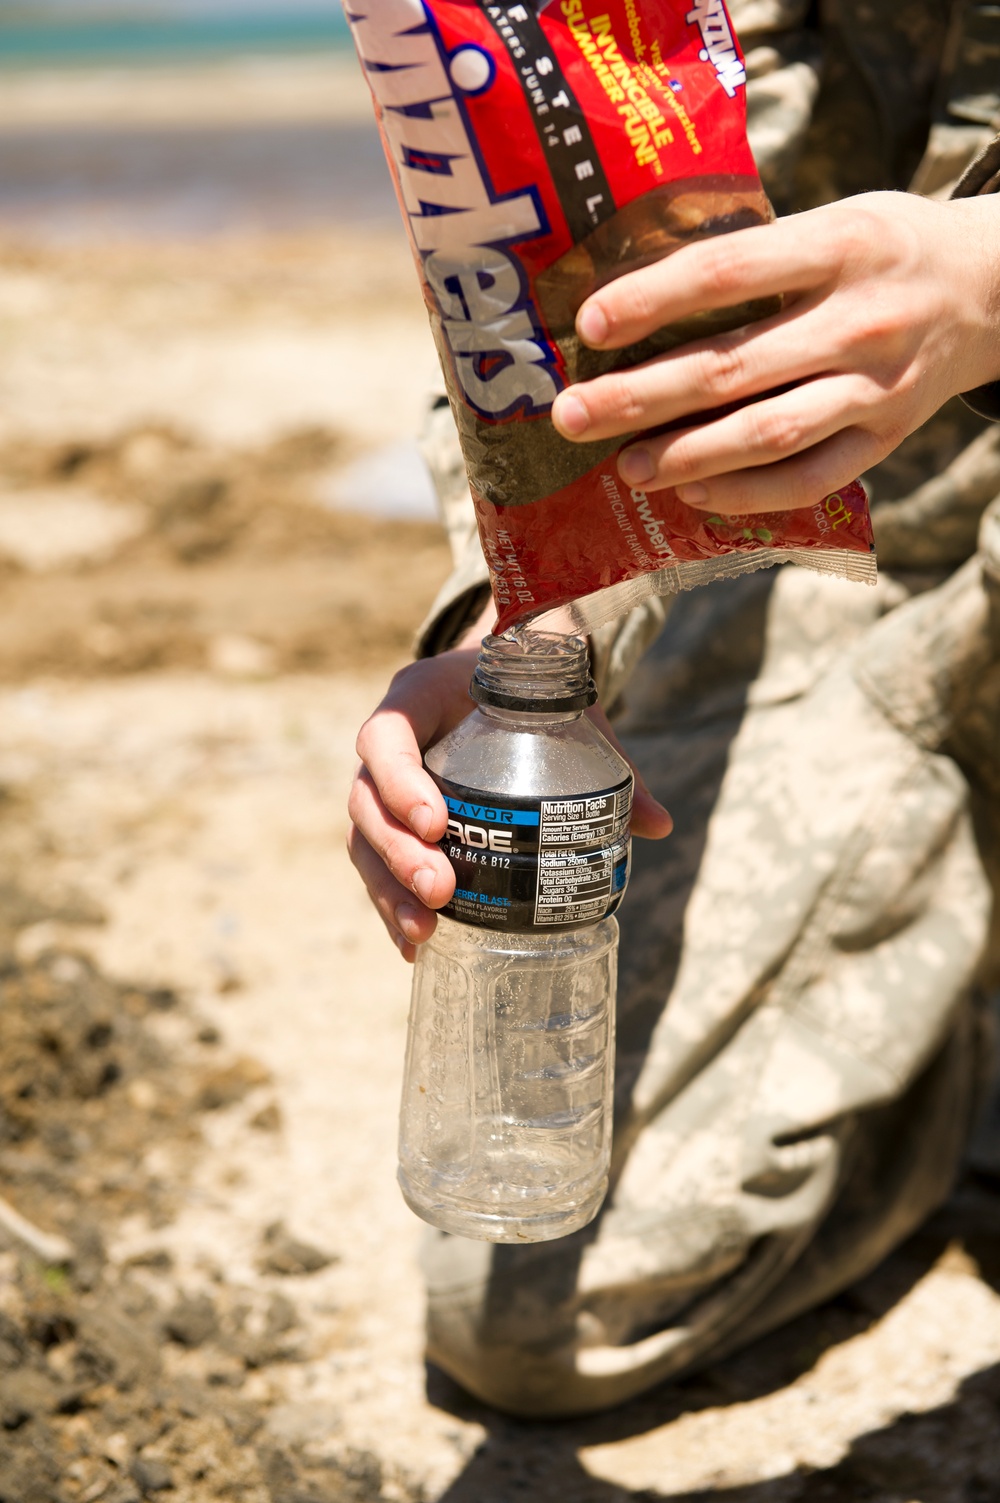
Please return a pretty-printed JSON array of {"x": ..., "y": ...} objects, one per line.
[{"x": 524, "y": 864}]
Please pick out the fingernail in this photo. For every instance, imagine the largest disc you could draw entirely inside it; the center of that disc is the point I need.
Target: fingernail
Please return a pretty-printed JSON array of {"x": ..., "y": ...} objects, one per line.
[
  {"x": 420, "y": 819},
  {"x": 693, "y": 494},
  {"x": 592, "y": 324},
  {"x": 408, "y": 920},
  {"x": 423, "y": 884},
  {"x": 636, "y": 466},
  {"x": 569, "y": 415}
]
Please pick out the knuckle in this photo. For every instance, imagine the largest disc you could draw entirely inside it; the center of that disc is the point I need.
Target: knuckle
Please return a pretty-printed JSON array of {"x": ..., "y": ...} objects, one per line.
[
  {"x": 628, "y": 303},
  {"x": 722, "y": 367},
  {"x": 881, "y": 323},
  {"x": 393, "y": 854},
  {"x": 380, "y": 891},
  {"x": 774, "y": 431},
  {"x": 363, "y": 744},
  {"x": 629, "y": 405},
  {"x": 858, "y": 234},
  {"x": 891, "y": 434},
  {"x": 401, "y": 676},
  {"x": 682, "y": 460},
  {"x": 723, "y": 269},
  {"x": 621, "y": 404}
]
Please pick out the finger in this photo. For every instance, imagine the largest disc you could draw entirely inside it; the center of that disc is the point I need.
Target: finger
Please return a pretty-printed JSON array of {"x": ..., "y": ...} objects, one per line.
[
  {"x": 791, "y": 484},
  {"x": 792, "y": 255},
  {"x": 408, "y": 951},
  {"x": 420, "y": 868},
  {"x": 710, "y": 373},
  {"x": 388, "y": 746},
  {"x": 761, "y": 433},
  {"x": 650, "y": 820},
  {"x": 390, "y": 743},
  {"x": 404, "y": 917}
]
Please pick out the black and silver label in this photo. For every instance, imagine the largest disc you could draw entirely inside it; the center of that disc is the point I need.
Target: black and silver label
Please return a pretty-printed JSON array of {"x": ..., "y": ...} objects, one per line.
[{"x": 536, "y": 864}]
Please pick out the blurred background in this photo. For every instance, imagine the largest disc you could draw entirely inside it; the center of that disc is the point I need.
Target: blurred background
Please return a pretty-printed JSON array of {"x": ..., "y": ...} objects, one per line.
[
  {"x": 216, "y": 539},
  {"x": 205, "y": 294}
]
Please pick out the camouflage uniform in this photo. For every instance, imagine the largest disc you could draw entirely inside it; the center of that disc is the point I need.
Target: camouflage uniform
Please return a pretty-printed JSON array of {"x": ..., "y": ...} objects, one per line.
[{"x": 805, "y": 964}]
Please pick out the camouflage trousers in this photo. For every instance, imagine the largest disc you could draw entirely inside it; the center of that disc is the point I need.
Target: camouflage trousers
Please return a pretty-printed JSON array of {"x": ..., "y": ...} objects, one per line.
[{"x": 802, "y": 971}]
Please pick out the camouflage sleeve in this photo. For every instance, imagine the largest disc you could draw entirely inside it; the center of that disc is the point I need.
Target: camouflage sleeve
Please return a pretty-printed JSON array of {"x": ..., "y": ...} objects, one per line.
[{"x": 982, "y": 176}]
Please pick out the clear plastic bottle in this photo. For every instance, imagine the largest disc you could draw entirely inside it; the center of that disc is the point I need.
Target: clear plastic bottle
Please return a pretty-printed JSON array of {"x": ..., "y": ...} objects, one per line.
[{"x": 505, "y": 1128}]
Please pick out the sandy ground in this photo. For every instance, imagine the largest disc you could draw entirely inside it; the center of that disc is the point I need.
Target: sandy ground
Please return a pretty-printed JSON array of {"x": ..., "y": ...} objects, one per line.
[
  {"x": 235, "y": 343},
  {"x": 201, "y": 1022},
  {"x": 237, "y": 90}
]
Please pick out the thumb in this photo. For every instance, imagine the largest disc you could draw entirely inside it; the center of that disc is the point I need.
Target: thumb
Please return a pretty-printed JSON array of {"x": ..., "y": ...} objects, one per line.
[{"x": 650, "y": 821}]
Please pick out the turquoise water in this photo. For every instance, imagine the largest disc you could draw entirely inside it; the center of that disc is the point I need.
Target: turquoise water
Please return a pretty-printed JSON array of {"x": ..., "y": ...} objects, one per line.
[
  {"x": 62, "y": 183},
  {"x": 24, "y": 43}
]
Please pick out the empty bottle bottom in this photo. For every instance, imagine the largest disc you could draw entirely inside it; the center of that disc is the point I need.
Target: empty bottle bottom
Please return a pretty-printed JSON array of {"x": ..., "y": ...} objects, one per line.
[{"x": 449, "y": 1214}]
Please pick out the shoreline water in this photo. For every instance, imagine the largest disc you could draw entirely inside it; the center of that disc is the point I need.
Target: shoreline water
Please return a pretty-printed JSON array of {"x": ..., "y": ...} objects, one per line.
[
  {"x": 249, "y": 145},
  {"x": 139, "y": 39}
]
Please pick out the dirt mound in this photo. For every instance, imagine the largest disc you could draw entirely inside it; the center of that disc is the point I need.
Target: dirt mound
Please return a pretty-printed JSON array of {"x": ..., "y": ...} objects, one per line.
[
  {"x": 118, "y": 1383},
  {"x": 225, "y": 559}
]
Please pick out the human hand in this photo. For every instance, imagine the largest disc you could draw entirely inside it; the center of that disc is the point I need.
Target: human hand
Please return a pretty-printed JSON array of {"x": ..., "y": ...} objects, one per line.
[
  {"x": 396, "y": 810},
  {"x": 891, "y": 306}
]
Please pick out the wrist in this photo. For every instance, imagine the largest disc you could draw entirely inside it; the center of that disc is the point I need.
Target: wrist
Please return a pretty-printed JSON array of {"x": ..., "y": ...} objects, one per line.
[{"x": 980, "y": 231}]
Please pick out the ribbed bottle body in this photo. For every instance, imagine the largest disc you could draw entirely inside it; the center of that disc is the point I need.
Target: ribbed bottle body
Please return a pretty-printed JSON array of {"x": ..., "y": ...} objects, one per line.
[{"x": 505, "y": 1128}]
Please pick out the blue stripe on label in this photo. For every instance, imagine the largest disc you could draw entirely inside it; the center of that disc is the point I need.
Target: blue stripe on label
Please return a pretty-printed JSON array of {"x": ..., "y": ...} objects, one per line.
[{"x": 489, "y": 815}]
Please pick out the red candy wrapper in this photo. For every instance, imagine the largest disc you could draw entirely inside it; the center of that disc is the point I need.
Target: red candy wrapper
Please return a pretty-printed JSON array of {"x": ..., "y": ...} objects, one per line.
[{"x": 539, "y": 150}]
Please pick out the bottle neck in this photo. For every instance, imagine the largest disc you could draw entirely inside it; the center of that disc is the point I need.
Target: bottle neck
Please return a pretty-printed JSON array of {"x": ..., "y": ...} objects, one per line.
[
  {"x": 534, "y": 674},
  {"x": 530, "y": 720}
]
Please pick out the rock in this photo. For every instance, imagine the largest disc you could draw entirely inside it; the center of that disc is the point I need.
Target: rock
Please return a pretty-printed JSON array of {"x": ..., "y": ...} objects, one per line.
[
  {"x": 122, "y": 1491},
  {"x": 90, "y": 1255},
  {"x": 268, "y": 1119},
  {"x": 26, "y": 1396},
  {"x": 151, "y": 1476},
  {"x": 162, "y": 998},
  {"x": 284, "y": 1254},
  {"x": 115, "y": 1347},
  {"x": 281, "y": 1316},
  {"x": 116, "y": 1448},
  {"x": 233, "y": 656},
  {"x": 302, "y": 1424},
  {"x": 192, "y": 1321},
  {"x": 221, "y": 1088},
  {"x": 242, "y": 1420},
  {"x": 13, "y": 1344},
  {"x": 157, "y": 1259},
  {"x": 142, "y": 1095}
]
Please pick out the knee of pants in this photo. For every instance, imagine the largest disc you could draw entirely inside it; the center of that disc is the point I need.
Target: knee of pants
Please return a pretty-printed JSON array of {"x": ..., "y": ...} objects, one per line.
[
  {"x": 506, "y": 1325},
  {"x": 509, "y": 1341}
]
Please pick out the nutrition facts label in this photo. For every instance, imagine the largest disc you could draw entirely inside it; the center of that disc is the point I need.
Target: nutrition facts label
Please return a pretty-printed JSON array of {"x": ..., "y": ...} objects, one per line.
[
  {"x": 525, "y": 864},
  {"x": 583, "y": 853}
]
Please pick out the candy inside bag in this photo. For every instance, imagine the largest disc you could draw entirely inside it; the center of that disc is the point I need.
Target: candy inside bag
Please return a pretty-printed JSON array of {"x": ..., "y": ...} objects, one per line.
[{"x": 539, "y": 150}]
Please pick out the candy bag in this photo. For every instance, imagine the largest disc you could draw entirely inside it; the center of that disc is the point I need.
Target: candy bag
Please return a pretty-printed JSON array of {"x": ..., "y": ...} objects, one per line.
[{"x": 540, "y": 149}]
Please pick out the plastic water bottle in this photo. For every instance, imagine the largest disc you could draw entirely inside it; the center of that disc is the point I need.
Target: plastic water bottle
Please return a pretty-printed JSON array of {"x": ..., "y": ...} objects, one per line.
[{"x": 505, "y": 1128}]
